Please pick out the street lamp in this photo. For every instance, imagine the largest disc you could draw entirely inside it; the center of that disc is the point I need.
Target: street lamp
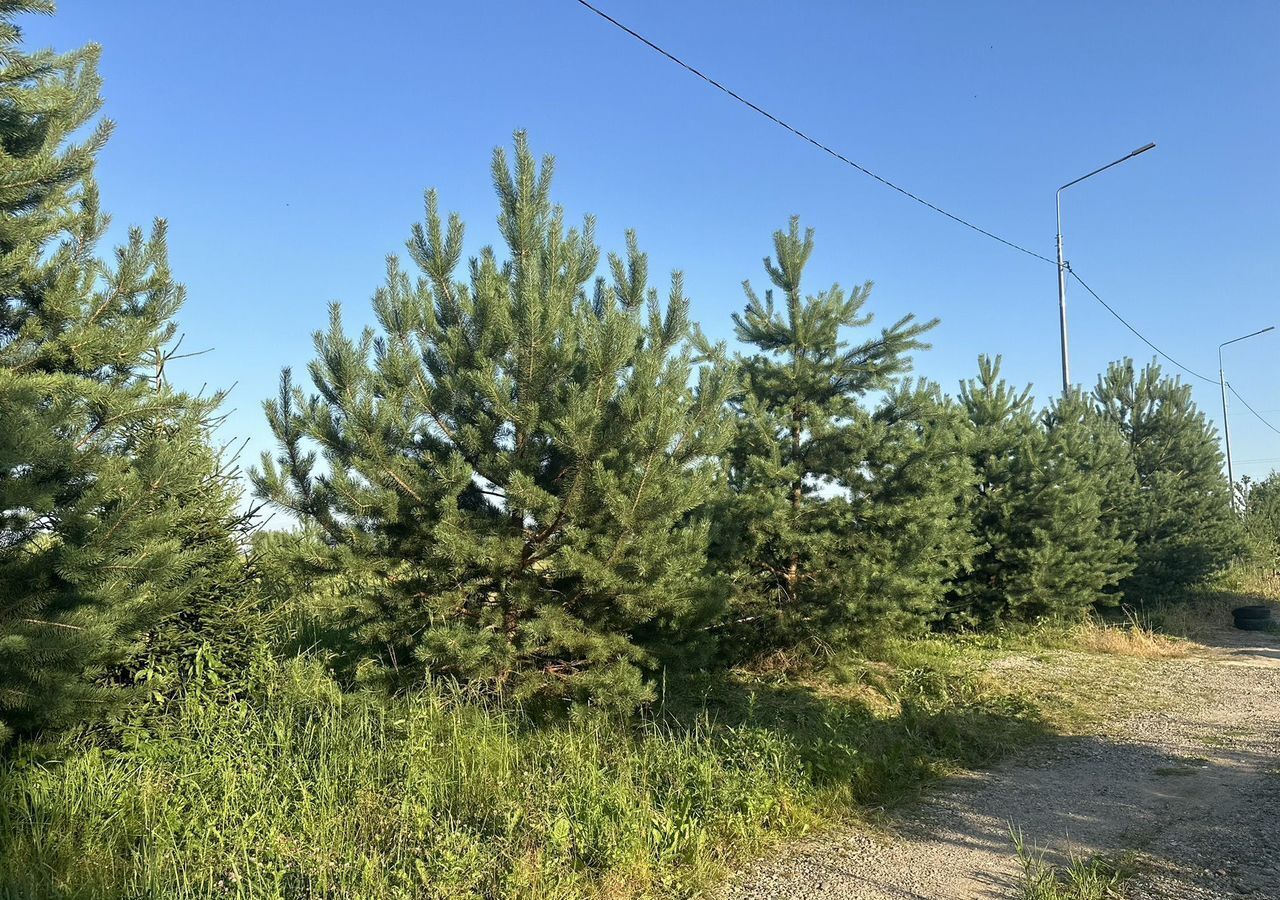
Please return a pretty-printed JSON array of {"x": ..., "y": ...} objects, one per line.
[
  {"x": 1226, "y": 429},
  {"x": 1062, "y": 266}
]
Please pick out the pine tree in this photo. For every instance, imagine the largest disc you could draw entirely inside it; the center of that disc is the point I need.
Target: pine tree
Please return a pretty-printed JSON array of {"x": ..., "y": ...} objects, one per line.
[
  {"x": 1001, "y": 445},
  {"x": 900, "y": 518},
  {"x": 214, "y": 621},
  {"x": 801, "y": 394},
  {"x": 517, "y": 461},
  {"x": 1096, "y": 463},
  {"x": 1260, "y": 512},
  {"x": 1181, "y": 520},
  {"x": 96, "y": 483},
  {"x": 1046, "y": 546}
]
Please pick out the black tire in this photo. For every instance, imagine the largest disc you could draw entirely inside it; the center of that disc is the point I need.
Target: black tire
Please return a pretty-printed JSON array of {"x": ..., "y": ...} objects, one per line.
[
  {"x": 1253, "y": 624},
  {"x": 1252, "y": 612}
]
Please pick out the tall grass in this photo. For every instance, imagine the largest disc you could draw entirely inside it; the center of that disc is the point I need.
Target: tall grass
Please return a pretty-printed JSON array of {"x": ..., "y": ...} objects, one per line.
[
  {"x": 1133, "y": 636},
  {"x": 304, "y": 791}
]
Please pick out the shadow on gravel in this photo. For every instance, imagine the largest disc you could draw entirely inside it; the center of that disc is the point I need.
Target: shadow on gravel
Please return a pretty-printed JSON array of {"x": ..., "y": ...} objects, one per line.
[
  {"x": 1193, "y": 821},
  {"x": 1193, "y": 789},
  {"x": 1197, "y": 815},
  {"x": 1257, "y": 648}
]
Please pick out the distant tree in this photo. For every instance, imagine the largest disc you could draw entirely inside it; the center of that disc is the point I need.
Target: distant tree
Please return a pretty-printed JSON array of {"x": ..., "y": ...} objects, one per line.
[
  {"x": 519, "y": 459},
  {"x": 1260, "y": 506},
  {"x": 104, "y": 528},
  {"x": 1047, "y": 544},
  {"x": 1182, "y": 520},
  {"x": 786, "y": 520}
]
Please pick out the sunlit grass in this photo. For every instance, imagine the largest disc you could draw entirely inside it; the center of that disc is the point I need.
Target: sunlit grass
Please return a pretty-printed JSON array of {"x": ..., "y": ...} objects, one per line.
[
  {"x": 299, "y": 789},
  {"x": 306, "y": 791},
  {"x": 1080, "y": 878}
]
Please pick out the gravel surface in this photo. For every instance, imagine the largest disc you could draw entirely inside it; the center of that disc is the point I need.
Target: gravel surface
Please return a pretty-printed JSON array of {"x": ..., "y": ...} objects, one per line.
[{"x": 1192, "y": 785}]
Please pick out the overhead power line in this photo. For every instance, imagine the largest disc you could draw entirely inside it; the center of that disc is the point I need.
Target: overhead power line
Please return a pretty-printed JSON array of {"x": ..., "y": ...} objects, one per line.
[
  {"x": 1256, "y": 414},
  {"x": 693, "y": 70},
  {"x": 1107, "y": 306},
  {"x": 815, "y": 142},
  {"x": 1160, "y": 352}
]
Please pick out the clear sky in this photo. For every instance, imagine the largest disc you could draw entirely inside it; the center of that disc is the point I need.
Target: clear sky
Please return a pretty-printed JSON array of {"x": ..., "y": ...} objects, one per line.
[{"x": 289, "y": 143}]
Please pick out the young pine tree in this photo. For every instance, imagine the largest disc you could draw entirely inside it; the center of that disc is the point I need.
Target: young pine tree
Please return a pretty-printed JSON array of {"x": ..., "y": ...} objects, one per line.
[
  {"x": 1002, "y": 442},
  {"x": 1181, "y": 519},
  {"x": 800, "y": 397},
  {"x": 1096, "y": 462},
  {"x": 900, "y": 519},
  {"x": 1045, "y": 547},
  {"x": 517, "y": 460},
  {"x": 1260, "y": 507},
  {"x": 98, "y": 489}
]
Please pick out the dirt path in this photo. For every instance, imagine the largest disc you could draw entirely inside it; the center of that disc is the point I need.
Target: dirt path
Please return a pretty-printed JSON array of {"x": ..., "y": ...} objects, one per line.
[{"x": 1192, "y": 786}]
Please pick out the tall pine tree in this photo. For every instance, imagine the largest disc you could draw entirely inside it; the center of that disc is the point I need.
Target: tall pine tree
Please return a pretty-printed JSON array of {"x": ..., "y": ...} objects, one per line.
[
  {"x": 801, "y": 395},
  {"x": 518, "y": 458},
  {"x": 100, "y": 499},
  {"x": 1181, "y": 518}
]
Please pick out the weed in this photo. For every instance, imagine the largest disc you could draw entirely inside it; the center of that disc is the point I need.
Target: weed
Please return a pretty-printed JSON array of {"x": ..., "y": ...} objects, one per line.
[{"x": 1081, "y": 878}]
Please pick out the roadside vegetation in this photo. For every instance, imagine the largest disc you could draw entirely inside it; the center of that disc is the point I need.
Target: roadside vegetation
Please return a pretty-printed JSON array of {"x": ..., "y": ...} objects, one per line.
[
  {"x": 572, "y": 602},
  {"x": 1080, "y": 878}
]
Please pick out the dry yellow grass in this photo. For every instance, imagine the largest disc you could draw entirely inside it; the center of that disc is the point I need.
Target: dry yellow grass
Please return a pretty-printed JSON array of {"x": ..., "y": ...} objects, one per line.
[
  {"x": 1198, "y": 618},
  {"x": 1128, "y": 639},
  {"x": 1133, "y": 637}
]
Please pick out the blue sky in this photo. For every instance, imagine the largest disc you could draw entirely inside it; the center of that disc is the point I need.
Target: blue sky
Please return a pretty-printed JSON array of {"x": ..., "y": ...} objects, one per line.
[{"x": 289, "y": 143}]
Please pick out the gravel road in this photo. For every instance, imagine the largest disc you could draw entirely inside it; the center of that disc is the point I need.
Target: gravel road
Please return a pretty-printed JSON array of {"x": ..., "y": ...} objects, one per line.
[{"x": 1192, "y": 785}]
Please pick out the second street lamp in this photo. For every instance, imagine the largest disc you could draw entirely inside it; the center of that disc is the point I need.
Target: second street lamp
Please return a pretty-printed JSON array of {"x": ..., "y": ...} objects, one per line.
[
  {"x": 1062, "y": 266},
  {"x": 1226, "y": 429}
]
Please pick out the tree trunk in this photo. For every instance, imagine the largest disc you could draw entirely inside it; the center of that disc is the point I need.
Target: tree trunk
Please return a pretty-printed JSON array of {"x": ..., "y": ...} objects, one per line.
[{"x": 792, "y": 574}]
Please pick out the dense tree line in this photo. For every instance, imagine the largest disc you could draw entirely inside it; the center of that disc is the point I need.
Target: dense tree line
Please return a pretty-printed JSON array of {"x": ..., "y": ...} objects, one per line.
[{"x": 535, "y": 475}]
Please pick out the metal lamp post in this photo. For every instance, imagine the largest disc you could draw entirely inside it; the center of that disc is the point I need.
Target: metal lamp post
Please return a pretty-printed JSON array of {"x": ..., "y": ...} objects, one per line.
[
  {"x": 1062, "y": 266},
  {"x": 1226, "y": 428}
]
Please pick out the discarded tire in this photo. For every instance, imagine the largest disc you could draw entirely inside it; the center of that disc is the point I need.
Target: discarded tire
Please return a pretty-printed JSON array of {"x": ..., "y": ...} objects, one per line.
[
  {"x": 1253, "y": 624},
  {"x": 1252, "y": 618},
  {"x": 1252, "y": 612}
]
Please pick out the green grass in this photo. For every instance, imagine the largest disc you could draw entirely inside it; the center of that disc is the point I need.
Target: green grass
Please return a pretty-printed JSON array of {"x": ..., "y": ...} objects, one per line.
[
  {"x": 1080, "y": 878},
  {"x": 299, "y": 789},
  {"x": 306, "y": 791},
  {"x": 302, "y": 790}
]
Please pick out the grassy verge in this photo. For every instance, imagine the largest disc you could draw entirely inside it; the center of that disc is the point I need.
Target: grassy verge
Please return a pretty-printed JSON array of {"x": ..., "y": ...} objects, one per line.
[{"x": 302, "y": 790}]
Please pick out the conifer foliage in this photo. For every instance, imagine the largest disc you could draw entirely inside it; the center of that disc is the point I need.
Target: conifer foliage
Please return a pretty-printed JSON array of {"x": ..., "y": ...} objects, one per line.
[
  {"x": 1046, "y": 546},
  {"x": 519, "y": 456},
  {"x": 102, "y": 510},
  {"x": 1181, "y": 518},
  {"x": 802, "y": 429},
  {"x": 900, "y": 517},
  {"x": 1259, "y": 503}
]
